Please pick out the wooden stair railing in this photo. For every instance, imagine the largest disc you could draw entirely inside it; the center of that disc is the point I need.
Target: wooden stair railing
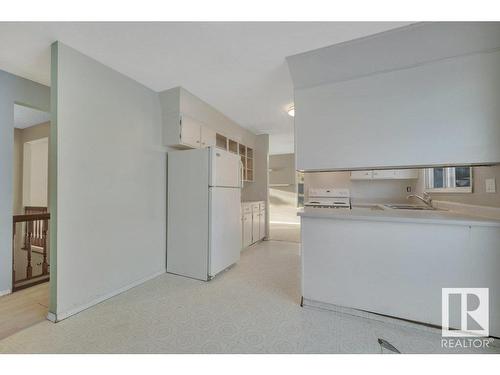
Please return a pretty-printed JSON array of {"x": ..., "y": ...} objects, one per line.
[
  {"x": 36, "y": 240},
  {"x": 35, "y": 234}
]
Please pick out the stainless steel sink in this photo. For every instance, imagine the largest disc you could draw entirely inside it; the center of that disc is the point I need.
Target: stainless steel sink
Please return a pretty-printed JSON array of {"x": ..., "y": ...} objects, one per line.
[{"x": 409, "y": 207}]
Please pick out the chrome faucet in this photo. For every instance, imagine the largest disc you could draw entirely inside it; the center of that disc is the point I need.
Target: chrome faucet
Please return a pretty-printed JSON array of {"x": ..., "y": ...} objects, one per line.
[{"x": 426, "y": 198}]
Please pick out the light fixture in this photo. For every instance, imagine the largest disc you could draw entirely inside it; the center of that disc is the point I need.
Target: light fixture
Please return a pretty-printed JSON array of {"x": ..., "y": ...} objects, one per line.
[{"x": 291, "y": 111}]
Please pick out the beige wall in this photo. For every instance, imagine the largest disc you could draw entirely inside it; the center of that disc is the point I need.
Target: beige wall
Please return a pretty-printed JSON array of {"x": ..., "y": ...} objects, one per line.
[
  {"x": 384, "y": 191},
  {"x": 370, "y": 191},
  {"x": 479, "y": 196},
  {"x": 35, "y": 173},
  {"x": 22, "y": 136},
  {"x": 258, "y": 189},
  {"x": 17, "y": 191}
]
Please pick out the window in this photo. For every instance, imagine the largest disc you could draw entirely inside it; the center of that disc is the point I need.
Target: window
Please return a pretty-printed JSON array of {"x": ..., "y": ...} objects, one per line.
[{"x": 448, "y": 180}]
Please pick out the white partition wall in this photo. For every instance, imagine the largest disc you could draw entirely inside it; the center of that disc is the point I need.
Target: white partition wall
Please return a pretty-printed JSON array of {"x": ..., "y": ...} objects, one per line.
[
  {"x": 402, "y": 102},
  {"x": 111, "y": 182}
]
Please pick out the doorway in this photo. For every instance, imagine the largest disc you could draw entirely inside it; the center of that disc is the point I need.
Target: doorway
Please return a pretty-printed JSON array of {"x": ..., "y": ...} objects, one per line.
[
  {"x": 31, "y": 257},
  {"x": 29, "y": 301},
  {"x": 284, "y": 198}
]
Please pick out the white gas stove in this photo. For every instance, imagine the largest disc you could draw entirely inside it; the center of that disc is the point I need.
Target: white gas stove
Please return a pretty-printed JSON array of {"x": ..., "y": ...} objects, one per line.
[{"x": 329, "y": 198}]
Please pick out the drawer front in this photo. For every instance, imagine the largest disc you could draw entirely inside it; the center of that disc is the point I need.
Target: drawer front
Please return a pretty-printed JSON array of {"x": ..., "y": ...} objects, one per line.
[
  {"x": 246, "y": 209},
  {"x": 255, "y": 207},
  {"x": 262, "y": 206}
]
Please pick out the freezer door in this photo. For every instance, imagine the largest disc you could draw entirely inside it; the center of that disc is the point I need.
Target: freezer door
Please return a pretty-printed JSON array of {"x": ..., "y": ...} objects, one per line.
[
  {"x": 225, "y": 168},
  {"x": 225, "y": 228}
]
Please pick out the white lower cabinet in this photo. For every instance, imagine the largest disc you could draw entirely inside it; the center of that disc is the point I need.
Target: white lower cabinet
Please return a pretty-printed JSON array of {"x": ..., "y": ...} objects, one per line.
[
  {"x": 253, "y": 221},
  {"x": 255, "y": 226},
  {"x": 247, "y": 229},
  {"x": 262, "y": 224}
]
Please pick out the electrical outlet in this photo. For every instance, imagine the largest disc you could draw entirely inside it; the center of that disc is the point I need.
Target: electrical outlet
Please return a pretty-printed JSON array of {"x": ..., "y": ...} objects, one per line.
[
  {"x": 490, "y": 185},
  {"x": 408, "y": 189}
]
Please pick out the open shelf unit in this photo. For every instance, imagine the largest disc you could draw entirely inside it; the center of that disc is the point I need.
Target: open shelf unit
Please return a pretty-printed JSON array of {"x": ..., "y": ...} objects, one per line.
[
  {"x": 221, "y": 141},
  {"x": 245, "y": 153},
  {"x": 232, "y": 146}
]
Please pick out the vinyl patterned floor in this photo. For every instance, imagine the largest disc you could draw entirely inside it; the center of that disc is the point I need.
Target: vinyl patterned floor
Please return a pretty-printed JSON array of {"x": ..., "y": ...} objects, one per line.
[
  {"x": 289, "y": 232},
  {"x": 251, "y": 308}
]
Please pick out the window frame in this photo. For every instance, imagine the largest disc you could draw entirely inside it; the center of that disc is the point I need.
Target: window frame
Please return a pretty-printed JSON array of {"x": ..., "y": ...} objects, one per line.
[{"x": 449, "y": 178}]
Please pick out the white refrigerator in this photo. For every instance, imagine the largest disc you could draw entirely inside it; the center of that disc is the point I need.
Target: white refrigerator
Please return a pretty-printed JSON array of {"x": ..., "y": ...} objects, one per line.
[{"x": 203, "y": 212}]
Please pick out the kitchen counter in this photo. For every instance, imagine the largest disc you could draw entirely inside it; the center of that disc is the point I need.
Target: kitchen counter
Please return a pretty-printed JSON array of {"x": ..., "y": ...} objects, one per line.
[
  {"x": 382, "y": 213},
  {"x": 395, "y": 262}
]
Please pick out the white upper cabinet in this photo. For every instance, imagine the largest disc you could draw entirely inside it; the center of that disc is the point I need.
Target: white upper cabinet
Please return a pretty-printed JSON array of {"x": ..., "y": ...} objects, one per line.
[
  {"x": 385, "y": 174},
  {"x": 406, "y": 174},
  {"x": 190, "y": 134},
  {"x": 208, "y": 136},
  {"x": 181, "y": 130},
  {"x": 361, "y": 175}
]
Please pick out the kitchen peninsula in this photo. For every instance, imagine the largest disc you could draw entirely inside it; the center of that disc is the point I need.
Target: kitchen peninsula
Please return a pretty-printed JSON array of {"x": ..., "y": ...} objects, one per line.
[
  {"x": 404, "y": 106},
  {"x": 395, "y": 262}
]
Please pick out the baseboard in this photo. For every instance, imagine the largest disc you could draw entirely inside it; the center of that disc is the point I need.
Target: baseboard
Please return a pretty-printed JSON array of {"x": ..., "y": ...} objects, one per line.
[
  {"x": 5, "y": 292},
  {"x": 57, "y": 317},
  {"x": 52, "y": 317},
  {"x": 371, "y": 315}
]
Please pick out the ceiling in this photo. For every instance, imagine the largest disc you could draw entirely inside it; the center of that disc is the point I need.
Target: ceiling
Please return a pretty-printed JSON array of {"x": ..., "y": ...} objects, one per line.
[
  {"x": 239, "y": 68},
  {"x": 26, "y": 117}
]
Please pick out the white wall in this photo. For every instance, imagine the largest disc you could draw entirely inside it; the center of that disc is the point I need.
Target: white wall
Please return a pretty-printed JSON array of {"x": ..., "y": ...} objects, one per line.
[
  {"x": 111, "y": 182},
  {"x": 12, "y": 89},
  {"x": 438, "y": 113}
]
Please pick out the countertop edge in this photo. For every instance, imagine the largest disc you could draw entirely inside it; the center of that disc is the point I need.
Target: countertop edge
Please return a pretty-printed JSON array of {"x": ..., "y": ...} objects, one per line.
[{"x": 399, "y": 219}]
